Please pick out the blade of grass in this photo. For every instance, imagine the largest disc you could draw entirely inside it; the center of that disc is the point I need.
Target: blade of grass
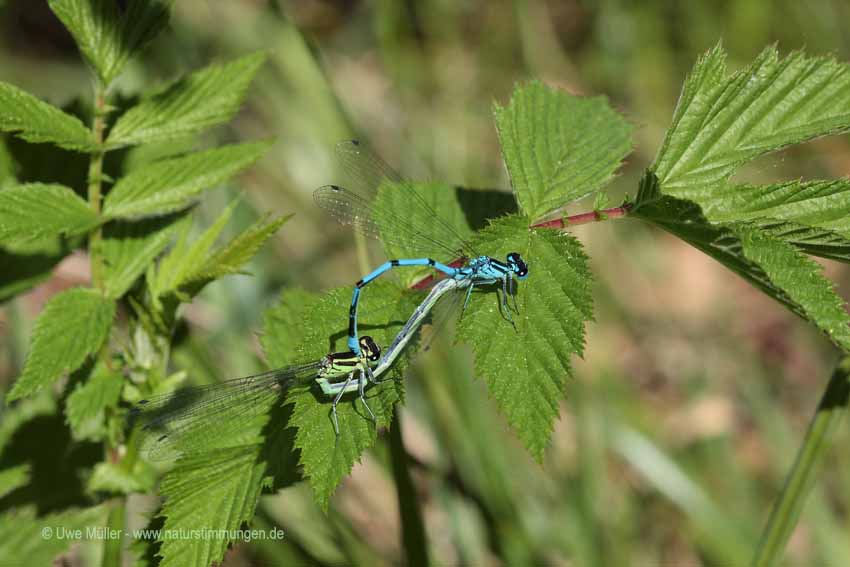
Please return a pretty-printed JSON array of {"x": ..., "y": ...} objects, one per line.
[
  {"x": 787, "y": 509},
  {"x": 412, "y": 530}
]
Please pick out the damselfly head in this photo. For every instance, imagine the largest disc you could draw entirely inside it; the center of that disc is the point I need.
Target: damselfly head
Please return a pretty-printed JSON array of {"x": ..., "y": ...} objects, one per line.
[
  {"x": 518, "y": 266},
  {"x": 370, "y": 350}
]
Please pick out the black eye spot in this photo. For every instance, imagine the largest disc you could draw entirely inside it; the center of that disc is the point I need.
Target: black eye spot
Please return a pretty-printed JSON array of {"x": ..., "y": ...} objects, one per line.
[
  {"x": 368, "y": 346},
  {"x": 355, "y": 142}
]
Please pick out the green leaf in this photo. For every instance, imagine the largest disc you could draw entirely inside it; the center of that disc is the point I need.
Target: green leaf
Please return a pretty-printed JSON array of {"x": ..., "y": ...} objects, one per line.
[
  {"x": 559, "y": 147},
  {"x": 525, "y": 369},
  {"x": 130, "y": 247},
  {"x": 13, "y": 478},
  {"x": 73, "y": 325},
  {"x": 23, "y": 535},
  {"x": 115, "y": 478},
  {"x": 722, "y": 122},
  {"x": 283, "y": 325},
  {"x": 184, "y": 258},
  {"x": 35, "y": 210},
  {"x": 86, "y": 406},
  {"x": 802, "y": 280},
  {"x": 230, "y": 258},
  {"x": 811, "y": 240},
  {"x": 35, "y": 121},
  {"x": 139, "y": 157},
  {"x": 309, "y": 326},
  {"x": 218, "y": 490},
  {"x": 756, "y": 254},
  {"x": 171, "y": 184},
  {"x": 821, "y": 203},
  {"x": 106, "y": 38},
  {"x": 201, "y": 100}
]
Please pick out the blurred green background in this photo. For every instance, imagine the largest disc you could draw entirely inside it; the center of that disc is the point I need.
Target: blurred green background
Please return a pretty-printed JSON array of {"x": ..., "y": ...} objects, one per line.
[{"x": 695, "y": 391}]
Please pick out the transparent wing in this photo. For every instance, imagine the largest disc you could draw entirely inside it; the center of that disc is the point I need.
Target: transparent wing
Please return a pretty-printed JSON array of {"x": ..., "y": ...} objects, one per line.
[
  {"x": 350, "y": 209},
  {"x": 355, "y": 205},
  {"x": 202, "y": 418}
]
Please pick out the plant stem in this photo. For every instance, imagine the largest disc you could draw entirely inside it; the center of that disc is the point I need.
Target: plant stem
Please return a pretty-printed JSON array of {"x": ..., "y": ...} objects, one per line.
[
  {"x": 112, "y": 546},
  {"x": 584, "y": 218},
  {"x": 412, "y": 529},
  {"x": 786, "y": 510},
  {"x": 94, "y": 180}
]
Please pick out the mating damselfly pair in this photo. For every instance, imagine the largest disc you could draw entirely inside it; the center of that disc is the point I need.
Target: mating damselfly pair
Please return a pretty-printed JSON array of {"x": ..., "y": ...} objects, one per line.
[{"x": 172, "y": 423}]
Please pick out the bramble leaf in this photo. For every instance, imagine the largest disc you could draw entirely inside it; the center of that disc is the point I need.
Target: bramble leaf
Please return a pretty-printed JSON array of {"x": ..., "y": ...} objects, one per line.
[
  {"x": 87, "y": 404},
  {"x": 106, "y": 38},
  {"x": 36, "y": 121},
  {"x": 761, "y": 233},
  {"x": 321, "y": 328},
  {"x": 171, "y": 184},
  {"x": 183, "y": 258},
  {"x": 35, "y": 210},
  {"x": 14, "y": 477},
  {"x": 821, "y": 203},
  {"x": 116, "y": 478},
  {"x": 219, "y": 489},
  {"x": 130, "y": 247},
  {"x": 756, "y": 253},
  {"x": 811, "y": 240},
  {"x": 230, "y": 258},
  {"x": 22, "y": 534},
  {"x": 525, "y": 369},
  {"x": 203, "y": 99},
  {"x": 559, "y": 147},
  {"x": 187, "y": 268},
  {"x": 722, "y": 122},
  {"x": 802, "y": 280},
  {"x": 73, "y": 325}
]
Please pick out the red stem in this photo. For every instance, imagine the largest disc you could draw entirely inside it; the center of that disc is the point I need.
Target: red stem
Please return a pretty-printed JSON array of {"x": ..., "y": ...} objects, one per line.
[
  {"x": 561, "y": 223},
  {"x": 584, "y": 218}
]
